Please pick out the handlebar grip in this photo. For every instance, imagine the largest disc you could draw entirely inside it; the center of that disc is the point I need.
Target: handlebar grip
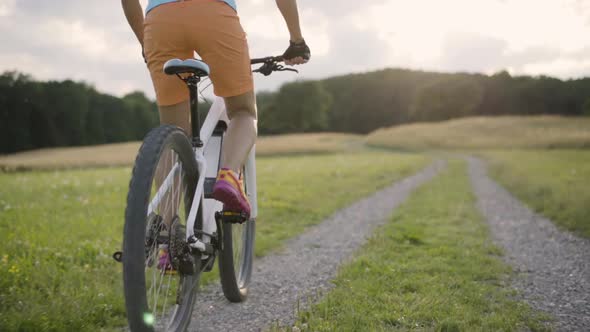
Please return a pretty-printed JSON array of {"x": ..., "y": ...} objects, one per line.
[{"x": 267, "y": 59}]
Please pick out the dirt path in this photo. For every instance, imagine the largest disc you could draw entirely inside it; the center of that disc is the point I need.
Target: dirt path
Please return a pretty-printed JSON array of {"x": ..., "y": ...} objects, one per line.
[
  {"x": 306, "y": 265},
  {"x": 553, "y": 266}
]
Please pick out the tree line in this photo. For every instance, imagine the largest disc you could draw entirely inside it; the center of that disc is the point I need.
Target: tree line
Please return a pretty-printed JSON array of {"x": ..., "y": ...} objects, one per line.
[
  {"x": 361, "y": 103},
  {"x": 46, "y": 114}
]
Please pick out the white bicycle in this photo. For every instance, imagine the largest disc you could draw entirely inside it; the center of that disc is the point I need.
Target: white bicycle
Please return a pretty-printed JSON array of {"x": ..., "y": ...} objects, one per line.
[{"x": 171, "y": 215}]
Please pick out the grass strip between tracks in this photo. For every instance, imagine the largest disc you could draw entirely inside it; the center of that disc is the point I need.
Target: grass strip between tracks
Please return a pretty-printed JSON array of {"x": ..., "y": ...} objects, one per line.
[{"x": 433, "y": 267}]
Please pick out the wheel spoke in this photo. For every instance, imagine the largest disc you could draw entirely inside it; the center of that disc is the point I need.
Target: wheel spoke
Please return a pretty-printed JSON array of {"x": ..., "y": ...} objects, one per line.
[
  {"x": 237, "y": 241},
  {"x": 157, "y": 292},
  {"x": 162, "y": 285},
  {"x": 166, "y": 297}
]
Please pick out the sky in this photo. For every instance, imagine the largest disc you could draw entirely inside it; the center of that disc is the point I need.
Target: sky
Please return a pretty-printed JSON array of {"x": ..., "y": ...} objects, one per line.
[{"x": 90, "y": 40}]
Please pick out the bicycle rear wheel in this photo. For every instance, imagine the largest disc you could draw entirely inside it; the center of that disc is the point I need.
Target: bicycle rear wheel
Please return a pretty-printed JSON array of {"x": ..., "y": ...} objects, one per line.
[
  {"x": 160, "y": 274},
  {"x": 236, "y": 258}
]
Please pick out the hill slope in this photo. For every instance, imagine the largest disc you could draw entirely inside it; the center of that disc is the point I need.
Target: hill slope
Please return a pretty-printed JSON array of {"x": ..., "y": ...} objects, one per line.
[{"x": 488, "y": 132}]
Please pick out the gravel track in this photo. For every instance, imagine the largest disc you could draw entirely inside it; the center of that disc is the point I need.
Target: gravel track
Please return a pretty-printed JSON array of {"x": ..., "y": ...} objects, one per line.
[
  {"x": 553, "y": 266},
  {"x": 304, "y": 268}
]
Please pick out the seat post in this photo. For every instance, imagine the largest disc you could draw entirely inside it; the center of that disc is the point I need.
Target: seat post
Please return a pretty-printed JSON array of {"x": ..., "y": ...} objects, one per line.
[{"x": 192, "y": 83}]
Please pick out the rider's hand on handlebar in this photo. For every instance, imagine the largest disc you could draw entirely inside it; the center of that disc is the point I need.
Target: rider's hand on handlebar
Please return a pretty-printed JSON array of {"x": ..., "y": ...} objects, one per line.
[{"x": 297, "y": 53}]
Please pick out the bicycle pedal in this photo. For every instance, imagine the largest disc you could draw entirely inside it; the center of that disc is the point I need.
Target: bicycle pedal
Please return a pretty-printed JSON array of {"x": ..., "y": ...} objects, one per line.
[{"x": 232, "y": 217}]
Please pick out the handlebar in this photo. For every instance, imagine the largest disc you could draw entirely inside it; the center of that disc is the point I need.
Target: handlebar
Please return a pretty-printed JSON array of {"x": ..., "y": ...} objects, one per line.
[
  {"x": 267, "y": 59},
  {"x": 270, "y": 64}
]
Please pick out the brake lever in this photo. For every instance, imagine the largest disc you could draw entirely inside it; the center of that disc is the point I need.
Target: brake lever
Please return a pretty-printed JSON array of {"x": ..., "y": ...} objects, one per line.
[
  {"x": 267, "y": 68},
  {"x": 283, "y": 68},
  {"x": 289, "y": 69}
]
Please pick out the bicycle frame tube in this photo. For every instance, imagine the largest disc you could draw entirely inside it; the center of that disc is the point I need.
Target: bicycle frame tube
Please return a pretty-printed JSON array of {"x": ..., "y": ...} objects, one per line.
[
  {"x": 208, "y": 168},
  {"x": 194, "y": 109},
  {"x": 251, "y": 182}
]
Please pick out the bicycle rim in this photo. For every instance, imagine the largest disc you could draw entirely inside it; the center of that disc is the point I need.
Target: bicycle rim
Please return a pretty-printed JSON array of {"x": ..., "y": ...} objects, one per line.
[{"x": 157, "y": 297}]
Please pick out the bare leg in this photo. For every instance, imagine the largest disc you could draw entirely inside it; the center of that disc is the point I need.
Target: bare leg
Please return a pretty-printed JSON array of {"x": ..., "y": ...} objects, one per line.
[
  {"x": 178, "y": 115},
  {"x": 241, "y": 132}
]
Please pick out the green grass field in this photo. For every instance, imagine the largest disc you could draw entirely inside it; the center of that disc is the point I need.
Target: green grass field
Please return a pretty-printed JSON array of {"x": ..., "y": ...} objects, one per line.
[
  {"x": 59, "y": 228},
  {"x": 506, "y": 132},
  {"x": 553, "y": 183},
  {"x": 432, "y": 268}
]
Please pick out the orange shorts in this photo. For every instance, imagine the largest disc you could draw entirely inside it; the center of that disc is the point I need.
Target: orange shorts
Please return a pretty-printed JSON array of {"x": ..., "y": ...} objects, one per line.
[{"x": 209, "y": 27}]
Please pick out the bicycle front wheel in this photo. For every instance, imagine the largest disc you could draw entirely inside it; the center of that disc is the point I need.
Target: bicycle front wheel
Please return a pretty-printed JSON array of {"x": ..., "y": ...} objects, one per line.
[
  {"x": 236, "y": 258},
  {"x": 160, "y": 274}
]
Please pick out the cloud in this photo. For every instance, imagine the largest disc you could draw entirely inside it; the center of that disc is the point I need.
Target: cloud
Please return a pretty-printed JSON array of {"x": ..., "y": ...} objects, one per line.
[
  {"x": 7, "y": 7},
  {"x": 561, "y": 67},
  {"x": 337, "y": 46},
  {"x": 471, "y": 52},
  {"x": 350, "y": 50},
  {"x": 353, "y": 49},
  {"x": 476, "y": 53},
  {"x": 339, "y": 8},
  {"x": 583, "y": 7},
  {"x": 72, "y": 39},
  {"x": 531, "y": 55},
  {"x": 104, "y": 14},
  {"x": 90, "y": 40}
]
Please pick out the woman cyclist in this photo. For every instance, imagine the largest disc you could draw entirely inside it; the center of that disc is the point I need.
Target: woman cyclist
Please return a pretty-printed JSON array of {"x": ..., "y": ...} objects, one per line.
[{"x": 176, "y": 29}]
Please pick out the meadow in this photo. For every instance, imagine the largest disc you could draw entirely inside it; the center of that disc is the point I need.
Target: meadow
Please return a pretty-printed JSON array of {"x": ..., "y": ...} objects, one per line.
[
  {"x": 59, "y": 228},
  {"x": 553, "y": 183},
  {"x": 61, "y": 220},
  {"x": 505, "y": 132},
  {"x": 431, "y": 268}
]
